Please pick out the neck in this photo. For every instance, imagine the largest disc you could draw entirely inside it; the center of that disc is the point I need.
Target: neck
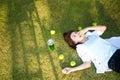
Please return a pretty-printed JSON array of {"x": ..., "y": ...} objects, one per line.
[{"x": 84, "y": 40}]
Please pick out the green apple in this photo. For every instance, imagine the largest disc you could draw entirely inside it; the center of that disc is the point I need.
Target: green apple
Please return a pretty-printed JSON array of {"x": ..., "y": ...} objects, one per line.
[
  {"x": 72, "y": 63},
  {"x": 52, "y": 32},
  {"x": 61, "y": 56},
  {"x": 94, "y": 24},
  {"x": 79, "y": 28}
]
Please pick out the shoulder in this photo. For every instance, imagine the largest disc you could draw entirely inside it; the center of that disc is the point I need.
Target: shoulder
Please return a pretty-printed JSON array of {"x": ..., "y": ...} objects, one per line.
[
  {"x": 80, "y": 48},
  {"x": 83, "y": 52}
]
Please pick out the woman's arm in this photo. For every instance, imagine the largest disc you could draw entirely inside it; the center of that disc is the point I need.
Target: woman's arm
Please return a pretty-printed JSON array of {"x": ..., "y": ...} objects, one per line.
[
  {"x": 98, "y": 28},
  {"x": 85, "y": 65}
]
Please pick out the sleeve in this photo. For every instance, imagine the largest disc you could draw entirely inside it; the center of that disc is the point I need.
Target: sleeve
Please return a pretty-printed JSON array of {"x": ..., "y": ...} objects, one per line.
[
  {"x": 96, "y": 32},
  {"x": 83, "y": 54}
]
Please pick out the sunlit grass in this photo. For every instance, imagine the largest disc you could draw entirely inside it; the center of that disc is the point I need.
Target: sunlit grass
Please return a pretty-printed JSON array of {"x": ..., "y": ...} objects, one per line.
[
  {"x": 25, "y": 28},
  {"x": 5, "y": 56}
]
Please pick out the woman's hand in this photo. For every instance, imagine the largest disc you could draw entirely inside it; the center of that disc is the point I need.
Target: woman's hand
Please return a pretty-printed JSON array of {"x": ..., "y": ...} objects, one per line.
[
  {"x": 83, "y": 31},
  {"x": 67, "y": 70}
]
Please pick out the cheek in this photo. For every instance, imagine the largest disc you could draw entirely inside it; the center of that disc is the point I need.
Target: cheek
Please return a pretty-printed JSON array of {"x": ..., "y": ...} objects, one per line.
[
  {"x": 74, "y": 39},
  {"x": 77, "y": 39},
  {"x": 80, "y": 38}
]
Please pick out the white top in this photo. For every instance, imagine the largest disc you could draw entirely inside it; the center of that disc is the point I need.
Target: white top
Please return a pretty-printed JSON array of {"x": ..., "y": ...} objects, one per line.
[{"x": 96, "y": 50}]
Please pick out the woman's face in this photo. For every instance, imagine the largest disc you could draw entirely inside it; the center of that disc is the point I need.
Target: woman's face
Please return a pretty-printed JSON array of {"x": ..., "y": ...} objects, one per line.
[{"x": 75, "y": 36}]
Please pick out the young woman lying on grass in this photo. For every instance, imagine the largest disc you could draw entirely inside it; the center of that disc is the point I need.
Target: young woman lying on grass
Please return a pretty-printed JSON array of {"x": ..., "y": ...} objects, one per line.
[{"x": 104, "y": 53}]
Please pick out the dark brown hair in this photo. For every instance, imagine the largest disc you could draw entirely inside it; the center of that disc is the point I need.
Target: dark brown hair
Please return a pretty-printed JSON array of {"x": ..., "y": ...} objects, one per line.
[{"x": 68, "y": 39}]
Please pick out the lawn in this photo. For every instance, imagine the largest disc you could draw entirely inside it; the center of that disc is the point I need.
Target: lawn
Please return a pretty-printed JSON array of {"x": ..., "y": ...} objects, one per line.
[{"x": 25, "y": 28}]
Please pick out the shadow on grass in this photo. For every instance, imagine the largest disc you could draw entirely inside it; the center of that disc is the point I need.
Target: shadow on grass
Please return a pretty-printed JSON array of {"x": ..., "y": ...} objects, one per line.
[
  {"x": 18, "y": 13},
  {"x": 105, "y": 19},
  {"x": 41, "y": 24}
]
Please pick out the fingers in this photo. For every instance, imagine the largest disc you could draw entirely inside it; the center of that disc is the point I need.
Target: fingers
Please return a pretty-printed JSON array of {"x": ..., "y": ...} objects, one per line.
[
  {"x": 66, "y": 70},
  {"x": 81, "y": 34},
  {"x": 84, "y": 30}
]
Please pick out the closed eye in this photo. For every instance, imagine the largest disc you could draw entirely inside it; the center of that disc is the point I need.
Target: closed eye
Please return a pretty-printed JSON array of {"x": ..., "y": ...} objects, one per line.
[{"x": 74, "y": 35}]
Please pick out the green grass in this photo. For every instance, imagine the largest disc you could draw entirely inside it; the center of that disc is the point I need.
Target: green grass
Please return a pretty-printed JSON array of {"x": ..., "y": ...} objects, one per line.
[{"x": 25, "y": 28}]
